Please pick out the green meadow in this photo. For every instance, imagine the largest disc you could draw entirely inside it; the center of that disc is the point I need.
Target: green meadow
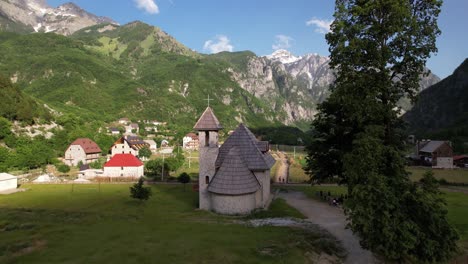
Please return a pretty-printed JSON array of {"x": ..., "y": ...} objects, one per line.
[{"x": 102, "y": 224}]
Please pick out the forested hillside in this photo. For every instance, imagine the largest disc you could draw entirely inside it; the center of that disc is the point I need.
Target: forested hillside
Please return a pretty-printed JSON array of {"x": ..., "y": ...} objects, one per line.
[{"x": 441, "y": 111}]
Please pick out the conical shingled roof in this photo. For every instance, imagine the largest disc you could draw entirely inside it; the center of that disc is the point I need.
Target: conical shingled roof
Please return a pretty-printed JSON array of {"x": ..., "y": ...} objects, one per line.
[
  {"x": 208, "y": 122},
  {"x": 233, "y": 177},
  {"x": 247, "y": 144}
]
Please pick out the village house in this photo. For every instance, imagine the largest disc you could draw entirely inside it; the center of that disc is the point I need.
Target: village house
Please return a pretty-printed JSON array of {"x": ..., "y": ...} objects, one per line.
[
  {"x": 86, "y": 172},
  {"x": 233, "y": 178},
  {"x": 461, "y": 161},
  {"x": 152, "y": 145},
  {"x": 114, "y": 131},
  {"x": 128, "y": 145},
  {"x": 436, "y": 153},
  {"x": 124, "y": 121},
  {"x": 82, "y": 149},
  {"x": 123, "y": 165},
  {"x": 190, "y": 141},
  {"x": 8, "y": 182},
  {"x": 133, "y": 128}
]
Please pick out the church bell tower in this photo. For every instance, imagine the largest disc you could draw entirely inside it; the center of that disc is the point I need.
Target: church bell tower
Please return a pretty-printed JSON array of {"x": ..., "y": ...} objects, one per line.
[{"x": 208, "y": 127}]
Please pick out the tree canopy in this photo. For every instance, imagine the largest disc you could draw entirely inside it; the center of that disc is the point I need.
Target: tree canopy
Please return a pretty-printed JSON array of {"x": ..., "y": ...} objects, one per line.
[{"x": 378, "y": 50}]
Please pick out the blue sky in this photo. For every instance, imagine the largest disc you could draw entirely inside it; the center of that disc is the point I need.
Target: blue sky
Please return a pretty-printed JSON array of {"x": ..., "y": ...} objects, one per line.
[{"x": 264, "y": 25}]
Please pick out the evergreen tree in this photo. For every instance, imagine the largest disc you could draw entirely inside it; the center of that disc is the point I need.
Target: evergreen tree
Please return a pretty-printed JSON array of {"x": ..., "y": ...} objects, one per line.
[
  {"x": 184, "y": 178},
  {"x": 139, "y": 192},
  {"x": 378, "y": 50}
]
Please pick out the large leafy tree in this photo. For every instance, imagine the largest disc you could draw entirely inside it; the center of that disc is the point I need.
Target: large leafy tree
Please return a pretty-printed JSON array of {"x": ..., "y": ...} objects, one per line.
[{"x": 378, "y": 51}]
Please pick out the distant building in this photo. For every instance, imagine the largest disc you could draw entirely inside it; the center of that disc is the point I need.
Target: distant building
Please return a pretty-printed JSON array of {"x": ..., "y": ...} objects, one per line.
[
  {"x": 436, "y": 153},
  {"x": 8, "y": 182},
  {"x": 82, "y": 149},
  {"x": 128, "y": 145},
  {"x": 114, "y": 131},
  {"x": 461, "y": 161},
  {"x": 190, "y": 141},
  {"x": 152, "y": 145},
  {"x": 124, "y": 121},
  {"x": 123, "y": 165}
]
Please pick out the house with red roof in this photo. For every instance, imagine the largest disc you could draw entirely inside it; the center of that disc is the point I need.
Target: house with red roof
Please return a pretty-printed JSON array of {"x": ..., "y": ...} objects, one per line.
[
  {"x": 82, "y": 149},
  {"x": 123, "y": 165}
]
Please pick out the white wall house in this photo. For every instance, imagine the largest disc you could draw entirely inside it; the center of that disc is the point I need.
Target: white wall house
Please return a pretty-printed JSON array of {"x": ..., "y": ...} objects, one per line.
[
  {"x": 123, "y": 165},
  {"x": 152, "y": 145},
  {"x": 8, "y": 182},
  {"x": 128, "y": 145},
  {"x": 190, "y": 141},
  {"x": 82, "y": 149}
]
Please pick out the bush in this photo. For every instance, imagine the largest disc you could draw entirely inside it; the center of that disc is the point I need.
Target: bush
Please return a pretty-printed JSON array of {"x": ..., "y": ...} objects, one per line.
[
  {"x": 63, "y": 168},
  {"x": 184, "y": 178}
]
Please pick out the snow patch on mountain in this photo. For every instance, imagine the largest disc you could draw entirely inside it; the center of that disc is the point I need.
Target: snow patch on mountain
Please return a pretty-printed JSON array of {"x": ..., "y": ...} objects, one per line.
[{"x": 283, "y": 56}]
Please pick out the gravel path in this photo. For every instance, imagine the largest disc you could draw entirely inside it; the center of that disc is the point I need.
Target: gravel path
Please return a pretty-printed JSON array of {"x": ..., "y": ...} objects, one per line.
[{"x": 333, "y": 220}]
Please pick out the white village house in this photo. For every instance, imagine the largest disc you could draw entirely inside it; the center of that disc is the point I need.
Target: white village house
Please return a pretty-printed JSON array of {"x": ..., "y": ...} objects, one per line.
[
  {"x": 8, "y": 182},
  {"x": 82, "y": 149},
  {"x": 152, "y": 145},
  {"x": 233, "y": 178},
  {"x": 128, "y": 145},
  {"x": 123, "y": 165},
  {"x": 190, "y": 141}
]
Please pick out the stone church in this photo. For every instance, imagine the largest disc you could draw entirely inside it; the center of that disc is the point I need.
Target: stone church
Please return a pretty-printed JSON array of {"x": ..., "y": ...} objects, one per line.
[{"x": 233, "y": 178}]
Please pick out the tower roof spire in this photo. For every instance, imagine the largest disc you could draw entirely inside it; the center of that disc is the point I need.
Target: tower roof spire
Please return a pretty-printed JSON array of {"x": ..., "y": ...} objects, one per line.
[{"x": 208, "y": 122}]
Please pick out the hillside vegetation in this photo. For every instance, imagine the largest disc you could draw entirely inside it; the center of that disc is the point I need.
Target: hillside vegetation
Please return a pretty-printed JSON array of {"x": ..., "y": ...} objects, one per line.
[{"x": 441, "y": 111}]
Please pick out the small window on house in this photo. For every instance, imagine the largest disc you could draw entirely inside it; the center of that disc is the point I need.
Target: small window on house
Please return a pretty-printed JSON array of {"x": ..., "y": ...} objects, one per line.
[
  {"x": 123, "y": 152},
  {"x": 121, "y": 168},
  {"x": 122, "y": 146},
  {"x": 207, "y": 179},
  {"x": 207, "y": 138},
  {"x": 121, "y": 174}
]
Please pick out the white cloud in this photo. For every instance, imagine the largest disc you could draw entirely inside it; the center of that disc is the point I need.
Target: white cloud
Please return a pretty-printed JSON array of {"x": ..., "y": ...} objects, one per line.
[
  {"x": 282, "y": 42},
  {"x": 148, "y": 6},
  {"x": 321, "y": 25},
  {"x": 218, "y": 44}
]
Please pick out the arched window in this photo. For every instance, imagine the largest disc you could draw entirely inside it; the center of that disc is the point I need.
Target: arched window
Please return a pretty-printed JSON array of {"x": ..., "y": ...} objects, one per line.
[{"x": 207, "y": 179}]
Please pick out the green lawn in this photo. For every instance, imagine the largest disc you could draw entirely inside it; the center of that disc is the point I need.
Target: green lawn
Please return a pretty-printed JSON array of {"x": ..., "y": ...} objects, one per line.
[
  {"x": 455, "y": 175},
  {"x": 52, "y": 224}
]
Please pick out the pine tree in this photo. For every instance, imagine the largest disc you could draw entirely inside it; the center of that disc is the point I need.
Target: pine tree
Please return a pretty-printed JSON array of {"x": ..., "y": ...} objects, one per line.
[
  {"x": 378, "y": 50},
  {"x": 139, "y": 192}
]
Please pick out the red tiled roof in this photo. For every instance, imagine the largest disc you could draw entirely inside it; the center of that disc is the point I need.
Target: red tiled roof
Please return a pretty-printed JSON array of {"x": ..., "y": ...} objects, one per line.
[
  {"x": 192, "y": 135},
  {"x": 88, "y": 145},
  {"x": 123, "y": 160},
  {"x": 460, "y": 157}
]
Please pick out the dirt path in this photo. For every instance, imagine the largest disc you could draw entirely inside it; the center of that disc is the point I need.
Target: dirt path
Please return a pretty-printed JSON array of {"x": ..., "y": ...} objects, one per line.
[
  {"x": 283, "y": 168},
  {"x": 333, "y": 220}
]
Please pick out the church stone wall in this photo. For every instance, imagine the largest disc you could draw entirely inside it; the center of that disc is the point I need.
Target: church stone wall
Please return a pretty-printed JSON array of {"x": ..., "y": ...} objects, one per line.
[
  {"x": 263, "y": 178},
  {"x": 208, "y": 157},
  {"x": 233, "y": 205}
]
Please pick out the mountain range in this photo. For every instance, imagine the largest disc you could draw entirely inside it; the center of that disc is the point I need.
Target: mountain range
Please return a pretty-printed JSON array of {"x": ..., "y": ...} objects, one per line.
[{"x": 94, "y": 67}]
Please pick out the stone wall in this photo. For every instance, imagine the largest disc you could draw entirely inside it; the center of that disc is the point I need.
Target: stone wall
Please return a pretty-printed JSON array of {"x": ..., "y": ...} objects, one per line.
[
  {"x": 233, "y": 205},
  {"x": 208, "y": 155}
]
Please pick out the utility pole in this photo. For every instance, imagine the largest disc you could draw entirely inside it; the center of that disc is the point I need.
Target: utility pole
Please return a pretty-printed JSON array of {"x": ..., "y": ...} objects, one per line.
[{"x": 162, "y": 169}]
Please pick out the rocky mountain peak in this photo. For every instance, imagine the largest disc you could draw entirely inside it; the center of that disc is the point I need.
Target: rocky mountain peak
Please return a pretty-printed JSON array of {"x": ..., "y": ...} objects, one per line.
[
  {"x": 40, "y": 17},
  {"x": 283, "y": 56}
]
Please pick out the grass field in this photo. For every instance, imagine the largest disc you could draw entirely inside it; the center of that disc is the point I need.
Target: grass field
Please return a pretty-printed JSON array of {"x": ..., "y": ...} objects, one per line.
[
  {"x": 92, "y": 224},
  {"x": 455, "y": 175}
]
